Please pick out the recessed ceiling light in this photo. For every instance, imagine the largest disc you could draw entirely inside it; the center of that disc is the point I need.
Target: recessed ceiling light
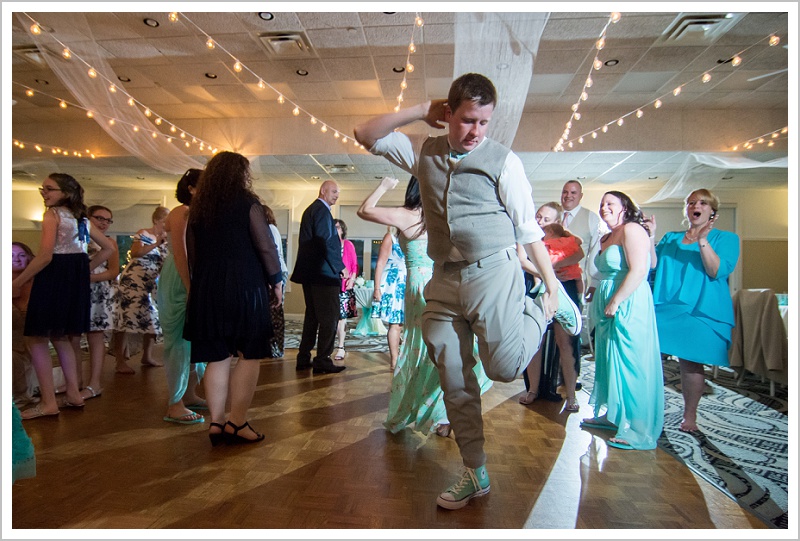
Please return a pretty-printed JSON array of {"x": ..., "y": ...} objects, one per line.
[
  {"x": 152, "y": 23},
  {"x": 581, "y": 178},
  {"x": 398, "y": 69},
  {"x": 211, "y": 75},
  {"x": 42, "y": 81},
  {"x": 612, "y": 62},
  {"x": 317, "y": 178},
  {"x": 726, "y": 178},
  {"x": 652, "y": 178},
  {"x": 502, "y": 66},
  {"x": 140, "y": 178},
  {"x": 124, "y": 79},
  {"x": 389, "y": 13},
  {"x": 265, "y": 15},
  {"x": 301, "y": 72}
]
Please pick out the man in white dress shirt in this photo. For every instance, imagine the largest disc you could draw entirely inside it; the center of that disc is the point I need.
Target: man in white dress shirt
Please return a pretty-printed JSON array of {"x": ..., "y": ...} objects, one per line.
[{"x": 585, "y": 224}]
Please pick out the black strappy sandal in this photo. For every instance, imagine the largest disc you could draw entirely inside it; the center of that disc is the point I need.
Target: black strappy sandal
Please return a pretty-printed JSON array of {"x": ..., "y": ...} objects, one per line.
[
  {"x": 234, "y": 437},
  {"x": 216, "y": 438}
]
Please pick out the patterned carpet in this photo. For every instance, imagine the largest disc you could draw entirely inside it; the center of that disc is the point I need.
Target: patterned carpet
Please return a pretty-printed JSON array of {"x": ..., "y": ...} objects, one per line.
[{"x": 743, "y": 447}]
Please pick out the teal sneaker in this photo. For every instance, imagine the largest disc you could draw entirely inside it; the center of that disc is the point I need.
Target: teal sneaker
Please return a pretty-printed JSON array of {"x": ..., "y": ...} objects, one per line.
[
  {"x": 473, "y": 483},
  {"x": 567, "y": 314}
]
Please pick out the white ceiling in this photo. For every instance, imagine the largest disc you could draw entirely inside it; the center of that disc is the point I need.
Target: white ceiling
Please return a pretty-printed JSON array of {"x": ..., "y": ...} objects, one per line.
[{"x": 350, "y": 76}]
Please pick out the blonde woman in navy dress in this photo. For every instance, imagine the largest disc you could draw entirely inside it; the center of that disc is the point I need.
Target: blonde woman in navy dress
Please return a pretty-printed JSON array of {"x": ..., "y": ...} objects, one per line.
[
  {"x": 691, "y": 295},
  {"x": 58, "y": 309}
]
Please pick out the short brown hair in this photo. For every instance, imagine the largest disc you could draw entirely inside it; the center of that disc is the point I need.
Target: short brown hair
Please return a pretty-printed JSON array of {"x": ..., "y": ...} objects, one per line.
[{"x": 471, "y": 87}]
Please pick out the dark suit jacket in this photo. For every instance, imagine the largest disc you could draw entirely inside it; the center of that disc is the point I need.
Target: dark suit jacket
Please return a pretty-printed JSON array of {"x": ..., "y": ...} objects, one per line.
[{"x": 319, "y": 251}]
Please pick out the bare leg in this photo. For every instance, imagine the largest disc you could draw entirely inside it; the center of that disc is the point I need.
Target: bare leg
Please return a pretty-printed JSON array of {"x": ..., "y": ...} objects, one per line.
[
  {"x": 147, "y": 351},
  {"x": 78, "y": 354},
  {"x": 215, "y": 382},
  {"x": 567, "y": 361},
  {"x": 43, "y": 366},
  {"x": 65, "y": 347},
  {"x": 120, "y": 341},
  {"x": 393, "y": 338},
  {"x": 97, "y": 356},
  {"x": 341, "y": 332},
  {"x": 534, "y": 372},
  {"x": 244, "y": 378},
  {"x": 190, "y": 396},
  {"x": 693, "y": 381}
]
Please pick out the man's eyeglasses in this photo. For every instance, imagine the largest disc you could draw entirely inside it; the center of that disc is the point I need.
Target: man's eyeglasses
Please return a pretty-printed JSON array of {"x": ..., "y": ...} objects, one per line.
[
  {"x": 103, "y": 220},
  {"x": 47, "y": 189}
]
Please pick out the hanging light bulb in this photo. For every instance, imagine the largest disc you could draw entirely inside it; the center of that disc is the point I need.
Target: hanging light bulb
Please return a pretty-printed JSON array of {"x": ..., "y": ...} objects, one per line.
[
  {"x": 760, "y": 140},
  {"x": 397, "y": 108},
  {"x": 774, "y": 135},
  {"x": 597, "y": 64},
  {"x": 706, "y": 77},
  {"x": 620, "y": 122},
  {"x": 356, "y": 143},
  {"x": 418, "y": 21},
  {"x": 344, "y": 140},
  {"x": 784, "y": 130},
  {"x": 412, "y": 48},
  {"x": 584, "y": 96},
  {"x": 169, "y": 139},
  {"x": 261, "y": 84},
  {"x": 92, "y": 73},
  {"x": 774, "y": 40},
  {"x": 173, "y": 16},
  {"x": 158, "y": 121},
  {"x": 736, "y": 61},
  {"x": 324, "y": 128},
  {"x": 570, "y": 144},
  {"x": 147, "y": 113},
  {"x": 39, "y": 149},
  {"x": 90, "y": 114},
  {"x": 187, "y": 144},
  {"x": 409, "y": 67},
  {"x": 604, "y": 129},
  {"x": 589, "y": 82},
  {"x": 173, "y": 129},
  {"x": 313, "y": 120},
  {"x": 210, "y": 43},
  {"x": 400, "y": 98},
  {"x": 335, "y": 134},
  {"x": 296, "y": 111},
  {"x": 154, "y": 135},
  {"x": 29, "y": 93},
  {"x": 403, "y": 84},
  {"x": 131, "y": 102},
  {"x": 36, "y": 29},
  {"x": 600, "y": 44},
  {"x": 183, "y": 135},
  {"x": 112, "y": 88},
  {"x": 281, "y": 99},
  {"x": 62, "y": 104},
  {"x": 735, "y": 148},
  {"x": 615, "y": 17},
  {"x": 202, "y": 146},
  {"x": 639, "y": 113},
  {"x": 237, "y": 67},
  {"x": 580, "y": 139},
  {"x": 771, "y": 144},
  {"x": 136, "y": 128},
  {"x": 66, "y": 53},
  {"x": 594, "y": 135},
  {"x": 676, "y": 91},
  {"x": 111, "y": 121},
  {"x": 569, "y": 124},
  {"x": 577, "y": 116},
  {"x": 657, "y": 104}
]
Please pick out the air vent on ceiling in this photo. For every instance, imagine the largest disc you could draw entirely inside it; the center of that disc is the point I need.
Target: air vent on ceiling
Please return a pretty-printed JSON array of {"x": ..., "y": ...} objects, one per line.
[
  {"x": 32, "y": 54},
  {"x": 698, "y": 28},
  {"x": 339, "y": 168},
  {"x": 286, "y": 44}
]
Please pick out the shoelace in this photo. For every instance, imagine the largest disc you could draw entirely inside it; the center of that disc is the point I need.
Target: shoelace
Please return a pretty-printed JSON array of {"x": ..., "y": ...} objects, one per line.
[{"x": 468, "y": 475}]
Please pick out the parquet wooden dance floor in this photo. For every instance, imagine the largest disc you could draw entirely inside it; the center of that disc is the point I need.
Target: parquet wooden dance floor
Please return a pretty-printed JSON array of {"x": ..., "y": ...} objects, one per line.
[{"x": 327, "y": 462}]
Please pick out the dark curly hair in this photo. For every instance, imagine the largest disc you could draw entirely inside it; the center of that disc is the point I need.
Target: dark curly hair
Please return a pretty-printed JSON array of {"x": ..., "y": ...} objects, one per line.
[
  {"x": 225, "y": 179},
  {"x": 73, "y": 194},
  {"x": 630, "y": 210}
]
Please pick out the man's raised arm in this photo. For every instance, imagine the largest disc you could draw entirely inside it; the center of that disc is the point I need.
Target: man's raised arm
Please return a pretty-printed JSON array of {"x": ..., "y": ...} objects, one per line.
[{"x": 432, "y": 112}]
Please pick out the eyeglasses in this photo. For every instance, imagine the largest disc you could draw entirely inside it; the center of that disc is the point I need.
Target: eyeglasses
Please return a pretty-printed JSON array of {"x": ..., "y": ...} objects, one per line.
[
  {"x": 103, "y": 220},
  {"x": 47, "y": 189}
]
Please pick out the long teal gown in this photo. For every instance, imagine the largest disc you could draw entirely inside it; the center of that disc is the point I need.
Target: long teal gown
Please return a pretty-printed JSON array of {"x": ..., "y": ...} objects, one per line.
[
  {"x": 171, "y": 298},
  {"x": 416, "y": 397},
  {"x": 629, "y": 379},
  {"x": 23, "y": 459}
]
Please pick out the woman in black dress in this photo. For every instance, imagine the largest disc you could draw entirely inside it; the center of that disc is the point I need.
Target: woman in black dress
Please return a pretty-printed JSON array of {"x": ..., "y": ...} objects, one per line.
[{"x": 233, "y": 263}]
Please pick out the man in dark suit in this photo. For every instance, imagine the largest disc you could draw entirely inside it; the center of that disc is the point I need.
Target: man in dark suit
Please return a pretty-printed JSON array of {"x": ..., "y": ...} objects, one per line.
[{"x": 320, "y": 270}]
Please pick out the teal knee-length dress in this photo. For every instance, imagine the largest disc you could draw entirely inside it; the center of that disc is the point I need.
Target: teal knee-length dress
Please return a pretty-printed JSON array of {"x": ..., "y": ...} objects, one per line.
[
  {"x": 629, "y": 379},
  {"x": 416, "y": 397}
]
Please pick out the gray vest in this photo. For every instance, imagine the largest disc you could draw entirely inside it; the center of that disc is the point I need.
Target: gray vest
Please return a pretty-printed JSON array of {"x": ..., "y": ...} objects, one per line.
[{"x": 461, "y": 201}]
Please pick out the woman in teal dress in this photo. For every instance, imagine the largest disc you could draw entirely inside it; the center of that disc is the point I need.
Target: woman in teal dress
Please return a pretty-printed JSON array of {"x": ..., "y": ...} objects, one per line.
[
  {"x": 416, "y": 396},
  {"x": 691, "y": 294},
  {"x": 629, "y": 381},
  {"x": 182, "y": 377}
]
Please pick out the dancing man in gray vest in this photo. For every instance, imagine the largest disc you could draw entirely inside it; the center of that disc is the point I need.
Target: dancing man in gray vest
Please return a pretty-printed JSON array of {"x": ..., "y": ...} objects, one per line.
[{"x": 478, "y": 204}]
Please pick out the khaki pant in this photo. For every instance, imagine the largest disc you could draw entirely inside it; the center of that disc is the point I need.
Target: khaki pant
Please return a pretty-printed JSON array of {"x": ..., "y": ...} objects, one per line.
[{"x": 487, "y": 300}]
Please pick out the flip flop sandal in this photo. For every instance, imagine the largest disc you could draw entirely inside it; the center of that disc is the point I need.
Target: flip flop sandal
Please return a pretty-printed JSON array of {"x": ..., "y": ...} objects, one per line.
[{"x": 37, "y": 412}]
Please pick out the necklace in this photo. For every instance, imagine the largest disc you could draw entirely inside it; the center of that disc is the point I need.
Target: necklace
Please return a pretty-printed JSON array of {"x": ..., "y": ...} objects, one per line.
[{"x": 689, "y": 237}]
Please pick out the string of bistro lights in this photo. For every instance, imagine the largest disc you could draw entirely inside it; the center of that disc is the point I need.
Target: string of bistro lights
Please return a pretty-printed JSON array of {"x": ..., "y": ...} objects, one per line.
[
  {"x": 596, "y": 65},
  {"x": 113, "y": 88},
  {"x": 325, "y": 127},
  {"x": 409, "y": 68},
  {"x": 769, "y": 138},
  {"x": 735, "y": 61},
  {"x": 40, "y": 147}
]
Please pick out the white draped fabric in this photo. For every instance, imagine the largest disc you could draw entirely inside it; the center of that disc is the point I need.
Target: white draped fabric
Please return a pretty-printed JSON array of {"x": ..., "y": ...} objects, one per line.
[
  {"x": 706, "y": 171},
  {"x": 503, "y": 47}
]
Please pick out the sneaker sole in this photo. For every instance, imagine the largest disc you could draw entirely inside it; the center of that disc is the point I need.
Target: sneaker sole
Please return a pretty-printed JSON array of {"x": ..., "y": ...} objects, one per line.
[
  {"x": 576, "y": 312},
  {"x": 447, "y": 504}
]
